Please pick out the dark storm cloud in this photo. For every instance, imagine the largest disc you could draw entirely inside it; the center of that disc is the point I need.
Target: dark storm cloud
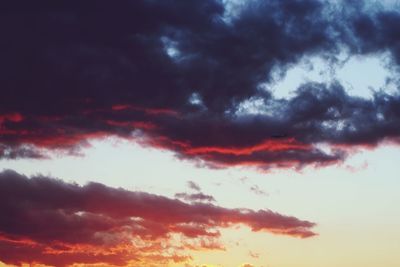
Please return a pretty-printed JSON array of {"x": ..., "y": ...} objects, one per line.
[
  {"x": 48, "y": 221},
  {"x": 174, "y": 73},
  {"x": 375, "y": 30}
]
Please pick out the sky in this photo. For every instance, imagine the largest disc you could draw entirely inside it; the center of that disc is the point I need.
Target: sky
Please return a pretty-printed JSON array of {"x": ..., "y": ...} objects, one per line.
[{"x": 200, "y": 133}]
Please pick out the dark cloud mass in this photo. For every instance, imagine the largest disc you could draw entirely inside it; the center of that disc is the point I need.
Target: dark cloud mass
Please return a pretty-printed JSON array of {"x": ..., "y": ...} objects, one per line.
[
  {"x": 48, "y": 221},
  {"x": 173, "y": 74}
]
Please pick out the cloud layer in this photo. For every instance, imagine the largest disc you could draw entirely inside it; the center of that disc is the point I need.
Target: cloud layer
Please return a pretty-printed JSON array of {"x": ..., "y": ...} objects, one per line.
[
  {"x": 175, "y": 75},
  {"x": 48, "y": 221}
]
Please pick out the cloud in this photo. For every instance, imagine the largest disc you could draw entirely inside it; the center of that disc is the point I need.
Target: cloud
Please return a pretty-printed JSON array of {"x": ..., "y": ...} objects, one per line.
[
  {"x": 254, "y": 255},
  {"x": 192, "y": 185},
  {"x": 22, "y": 151},
  {"x": 257, "y": 190},
  {"x": 48, "y": 221},
  {"x": 174, "y": 75},
  {"x": 195, "y": 197}
]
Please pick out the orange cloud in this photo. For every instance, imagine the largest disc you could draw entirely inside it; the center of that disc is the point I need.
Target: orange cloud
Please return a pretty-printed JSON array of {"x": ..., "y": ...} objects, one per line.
[{"x": 48, "y": 221}]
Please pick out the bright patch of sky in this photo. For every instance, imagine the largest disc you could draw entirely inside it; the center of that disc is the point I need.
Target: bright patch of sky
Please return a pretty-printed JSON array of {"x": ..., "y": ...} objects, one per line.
[
  {"x": 232, "y": 9},
  {"x": 360, "y": 76},
  {"x": 170, "y": 47},
  {"x": 354, "y": 204},
  {"x": 196, "y": 100}
]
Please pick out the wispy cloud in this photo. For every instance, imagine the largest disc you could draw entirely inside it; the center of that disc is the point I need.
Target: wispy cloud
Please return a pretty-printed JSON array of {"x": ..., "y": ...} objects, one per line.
[
  {"x": 257, "y": 190},
  {"x": 192, "y": 185}
]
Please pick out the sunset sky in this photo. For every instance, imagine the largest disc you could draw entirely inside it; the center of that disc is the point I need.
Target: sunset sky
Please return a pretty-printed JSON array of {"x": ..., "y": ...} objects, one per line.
[{"x": 234, "y": 133}]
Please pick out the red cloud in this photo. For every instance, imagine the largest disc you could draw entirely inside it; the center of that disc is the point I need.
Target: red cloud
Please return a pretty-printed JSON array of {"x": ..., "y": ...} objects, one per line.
[
  {"x": 160, "y": 128},
  {"x": 14, "y": 117},
  {"x": 150, "y": 111},
  {"x": 267, "y": 145},
  {"x": 48, "y": 221}
]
